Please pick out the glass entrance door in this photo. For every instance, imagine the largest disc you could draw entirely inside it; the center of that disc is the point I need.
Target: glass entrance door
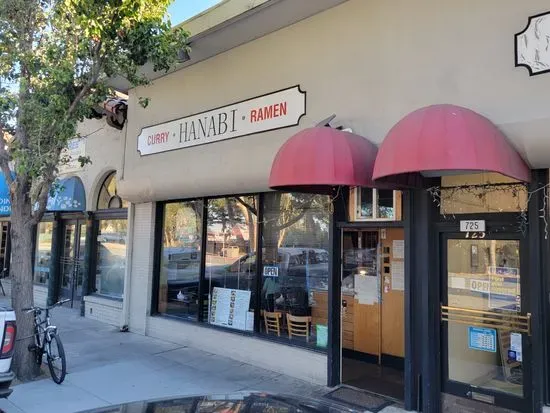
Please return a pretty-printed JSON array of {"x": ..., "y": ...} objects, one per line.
[
  {"x": 72, "y": 260},
  {"x": 485, "y": 321}
]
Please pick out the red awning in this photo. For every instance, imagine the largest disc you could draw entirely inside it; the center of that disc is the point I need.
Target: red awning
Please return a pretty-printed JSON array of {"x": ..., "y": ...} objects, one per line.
[
  {"x": 319, "y": 159},
  {"x": 442, "y": 139}
]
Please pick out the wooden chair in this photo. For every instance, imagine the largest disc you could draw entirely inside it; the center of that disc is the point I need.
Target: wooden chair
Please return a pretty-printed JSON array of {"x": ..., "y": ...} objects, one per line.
[
  {"x": 272, "y": 322},
  {"x": 298, "y": 326}
]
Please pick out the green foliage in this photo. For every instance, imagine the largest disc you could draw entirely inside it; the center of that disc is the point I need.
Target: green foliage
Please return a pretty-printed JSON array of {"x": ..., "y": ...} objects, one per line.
[{"x": 56, "y": 57}]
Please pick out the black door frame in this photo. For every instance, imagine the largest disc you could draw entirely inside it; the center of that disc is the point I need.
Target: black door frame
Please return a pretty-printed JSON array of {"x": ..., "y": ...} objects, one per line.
[
  {"x": 422, "y": 292},
  {"x": 339, "y": 222},
  {"x": 504, "y": 231},
  {"x": 78, "y": 221}
]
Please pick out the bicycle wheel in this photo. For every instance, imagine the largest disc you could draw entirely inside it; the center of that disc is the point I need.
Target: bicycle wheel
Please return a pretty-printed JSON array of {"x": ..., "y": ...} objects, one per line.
[{"x": 56, "y": 359}]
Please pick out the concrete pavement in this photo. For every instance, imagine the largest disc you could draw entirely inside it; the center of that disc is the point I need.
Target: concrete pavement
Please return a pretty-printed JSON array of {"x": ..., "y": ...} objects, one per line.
[{"x": 107, "y": 367}]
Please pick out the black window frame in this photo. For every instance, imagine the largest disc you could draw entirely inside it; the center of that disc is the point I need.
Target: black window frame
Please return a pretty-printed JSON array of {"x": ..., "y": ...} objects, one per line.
[{"x": 157, "y": 250}]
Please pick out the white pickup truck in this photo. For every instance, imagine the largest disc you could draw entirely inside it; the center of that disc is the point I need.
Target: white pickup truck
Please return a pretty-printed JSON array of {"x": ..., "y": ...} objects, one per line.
[{"x": 9, "y": 330}]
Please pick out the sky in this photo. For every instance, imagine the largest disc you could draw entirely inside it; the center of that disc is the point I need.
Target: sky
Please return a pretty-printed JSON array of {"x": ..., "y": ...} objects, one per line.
[{"x": 181, "y": 10}]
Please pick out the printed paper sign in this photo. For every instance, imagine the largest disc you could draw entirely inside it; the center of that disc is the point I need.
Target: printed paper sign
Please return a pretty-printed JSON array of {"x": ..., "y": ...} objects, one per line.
[
  {"x": 272, "y": 111},
  {"x": 516, "y": 346},
  {"x": 229, "y": 308},
  {"x": 483, "y": 339}
]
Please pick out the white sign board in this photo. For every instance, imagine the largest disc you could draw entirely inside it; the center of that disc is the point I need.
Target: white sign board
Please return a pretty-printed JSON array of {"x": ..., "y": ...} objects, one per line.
[
  {"x": 69, "y": 155},
  {"x": 271, "y": 271},
  {"x": 472, "y": 226},
  {"x": 229, "y": 308},
  {"x": 532, "y": 49},
  {"x": 272, "y": 111}
]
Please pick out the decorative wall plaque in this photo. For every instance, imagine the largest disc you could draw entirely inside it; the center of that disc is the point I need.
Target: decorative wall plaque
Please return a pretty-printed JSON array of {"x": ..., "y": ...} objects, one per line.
[{"x": 533, "y": 45}]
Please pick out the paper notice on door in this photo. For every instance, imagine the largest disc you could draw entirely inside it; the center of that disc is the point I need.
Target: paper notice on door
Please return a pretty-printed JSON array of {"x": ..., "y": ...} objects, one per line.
[
  {"x": 366, "y": 289},
  {"x": 398, "y": 248},
  {"x": 398, "y": 275},
  {"x": 515, "y": 345}
]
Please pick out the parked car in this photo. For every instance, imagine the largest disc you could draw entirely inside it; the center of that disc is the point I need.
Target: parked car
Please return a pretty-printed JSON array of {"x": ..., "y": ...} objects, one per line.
[
  {"x": 9, "y": 328},
  {"x": 233, "y": 403}
]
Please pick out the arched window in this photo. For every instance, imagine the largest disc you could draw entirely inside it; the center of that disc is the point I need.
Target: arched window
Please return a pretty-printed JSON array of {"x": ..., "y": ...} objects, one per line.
[
  {"x": 108, "y": 197},
  {"x": 110, "y": 232}
]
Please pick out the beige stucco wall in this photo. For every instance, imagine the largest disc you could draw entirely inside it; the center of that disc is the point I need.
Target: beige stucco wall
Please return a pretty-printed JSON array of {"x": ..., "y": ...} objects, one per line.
[
  {"x": 370, "y": 63},
  {"x": 104, "y": 146}
]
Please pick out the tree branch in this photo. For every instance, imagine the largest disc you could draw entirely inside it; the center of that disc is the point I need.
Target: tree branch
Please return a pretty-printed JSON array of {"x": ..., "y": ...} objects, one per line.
[
  {"x": 97, "y": 63},
  {"x": 42, "y": 200},
  {"x": 246, "y": 205}
]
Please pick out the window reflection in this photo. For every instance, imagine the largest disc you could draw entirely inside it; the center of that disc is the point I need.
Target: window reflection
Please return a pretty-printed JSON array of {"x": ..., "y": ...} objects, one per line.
[
  {"x": 181, "y": 259},
  {"x": 43, "y": 253},
  {"x": 365, "y": 203},
  {"x": 385, "y": 204},
  {"x": 231, "y": 262},
  {"x": 111, "y": 257},
  {"x": 295, "y": 267}
]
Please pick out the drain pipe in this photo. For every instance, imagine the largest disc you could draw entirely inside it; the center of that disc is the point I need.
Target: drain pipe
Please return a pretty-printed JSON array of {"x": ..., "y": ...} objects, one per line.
[{"x": 125, "y": 322}]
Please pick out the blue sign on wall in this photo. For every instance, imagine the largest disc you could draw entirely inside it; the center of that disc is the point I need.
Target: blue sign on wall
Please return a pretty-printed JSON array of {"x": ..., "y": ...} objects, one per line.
[{"x": 483, "y": 339}]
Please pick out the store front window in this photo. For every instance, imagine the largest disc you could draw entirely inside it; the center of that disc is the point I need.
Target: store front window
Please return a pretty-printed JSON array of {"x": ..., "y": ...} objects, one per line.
[
  {"x": 43, "y": 253},
  {"x": 295, "y": 267},
  {"x": 180, "y": 259},
  {"x": 482, "y": 193},
  {"x": 230, "y": 270},
  {"x": 111, "y": 257},
  {"x": 111, "y": 226},
  {"x": 285, "y": 299}
]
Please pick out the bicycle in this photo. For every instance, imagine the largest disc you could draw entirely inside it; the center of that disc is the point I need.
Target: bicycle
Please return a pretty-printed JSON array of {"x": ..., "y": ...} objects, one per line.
[{"x": 47, "y": 341}]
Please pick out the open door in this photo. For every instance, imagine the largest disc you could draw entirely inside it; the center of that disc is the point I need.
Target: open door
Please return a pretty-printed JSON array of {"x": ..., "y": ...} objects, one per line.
[{"x": 372, "y": 299}]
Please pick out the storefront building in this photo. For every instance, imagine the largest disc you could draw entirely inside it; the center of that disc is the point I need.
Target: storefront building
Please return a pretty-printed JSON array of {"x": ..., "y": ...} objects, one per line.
[
  {"x": 80, "y": 251},
  {"x": 342, "y": 191},
  {"x": 351, "y": 192}
]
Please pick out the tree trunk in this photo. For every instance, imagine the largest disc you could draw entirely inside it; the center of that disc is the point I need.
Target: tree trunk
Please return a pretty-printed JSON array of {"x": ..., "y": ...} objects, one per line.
[{"x": 22, "y": 285}]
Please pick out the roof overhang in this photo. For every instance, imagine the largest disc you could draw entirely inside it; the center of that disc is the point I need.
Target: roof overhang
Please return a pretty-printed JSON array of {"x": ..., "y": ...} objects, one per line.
[{"x": 252, "y": 24}]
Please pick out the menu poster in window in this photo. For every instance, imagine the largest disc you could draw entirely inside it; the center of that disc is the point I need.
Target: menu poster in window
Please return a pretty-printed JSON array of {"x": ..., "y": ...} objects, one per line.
[
  {"x": 398, "y": 275},
  {"x": 229, "y": 308},
  {"x": 398, "y": 248}
]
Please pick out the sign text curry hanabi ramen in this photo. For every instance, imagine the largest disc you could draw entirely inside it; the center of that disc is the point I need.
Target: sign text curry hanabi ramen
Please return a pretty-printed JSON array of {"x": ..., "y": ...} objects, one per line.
[{"x": 268, "y": 112}]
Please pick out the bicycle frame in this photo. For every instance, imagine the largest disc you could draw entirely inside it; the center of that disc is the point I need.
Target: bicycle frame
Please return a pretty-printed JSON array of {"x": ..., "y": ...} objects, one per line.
[{"x": 43, "y": 330}]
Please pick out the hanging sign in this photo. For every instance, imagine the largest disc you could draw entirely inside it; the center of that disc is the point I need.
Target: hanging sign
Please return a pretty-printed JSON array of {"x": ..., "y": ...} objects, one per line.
[
  {"x": 272, "y": 111},
  {"x": 472, "y": 226},
  {"x": 271, "y": 271}
]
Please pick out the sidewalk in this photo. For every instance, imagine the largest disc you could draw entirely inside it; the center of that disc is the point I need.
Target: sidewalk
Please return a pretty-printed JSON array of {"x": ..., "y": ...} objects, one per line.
[{"x": 107, "y": 367}]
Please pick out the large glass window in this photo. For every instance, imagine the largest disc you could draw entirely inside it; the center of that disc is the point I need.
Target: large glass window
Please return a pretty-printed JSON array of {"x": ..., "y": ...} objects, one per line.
[
  {"x": 286, "y": 298},
  {"x": 295, "y": 267},
  {"x": 43, "y": 253},
  {"x": 111, "y": 257},
  {"x": 230, "y": 270},
  {"x": 180, "y": 259},
  {"x": 482, "y": 193}
]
